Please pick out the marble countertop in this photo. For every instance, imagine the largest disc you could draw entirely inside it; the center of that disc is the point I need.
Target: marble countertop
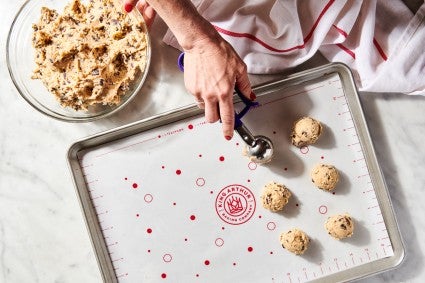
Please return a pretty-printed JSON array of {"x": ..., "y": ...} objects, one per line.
[{"x": 43, "y": 237}]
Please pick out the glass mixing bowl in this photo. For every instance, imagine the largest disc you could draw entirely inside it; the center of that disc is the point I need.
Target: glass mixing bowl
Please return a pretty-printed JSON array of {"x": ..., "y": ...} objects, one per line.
[{"x": 20, "y": 62}]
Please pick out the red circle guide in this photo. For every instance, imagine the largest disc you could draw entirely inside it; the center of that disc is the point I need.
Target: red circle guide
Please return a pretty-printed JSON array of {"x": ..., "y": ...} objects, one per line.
[{"x": 235, "y": 204}]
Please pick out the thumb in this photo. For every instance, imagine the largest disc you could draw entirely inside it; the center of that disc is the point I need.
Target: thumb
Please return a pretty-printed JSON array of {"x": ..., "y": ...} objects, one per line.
[{"x": 244, "y": 86}]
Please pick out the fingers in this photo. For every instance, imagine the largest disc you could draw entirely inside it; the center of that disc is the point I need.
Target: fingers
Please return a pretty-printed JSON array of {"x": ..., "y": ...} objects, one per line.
[
  {"x": 221, "y": 111},
  {"x": 227, "y": 116},
  {"x": 144, "y": 8},
  {"x": 200, "y": 102},
  {"x": 220, "y": 107},
  {"x": 212, "y": 114},
  {"x": 147, "y": 12}
]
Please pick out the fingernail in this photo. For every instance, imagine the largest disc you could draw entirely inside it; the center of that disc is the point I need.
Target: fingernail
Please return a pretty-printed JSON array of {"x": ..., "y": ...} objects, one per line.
[
  {"x": 228, "y": 138},
  {"x": 252, "y": 96},
  {"x": 128, "y": 7}
]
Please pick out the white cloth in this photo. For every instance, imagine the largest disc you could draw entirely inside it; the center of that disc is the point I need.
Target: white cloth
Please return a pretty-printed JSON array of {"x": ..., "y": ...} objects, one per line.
[{"x": 380, "y": 40}]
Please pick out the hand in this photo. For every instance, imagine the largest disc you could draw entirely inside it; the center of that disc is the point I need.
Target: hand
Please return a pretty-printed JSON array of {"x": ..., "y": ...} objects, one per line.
[
  {"x": 212, "y": 71},
  {"x": 212, "y": 67},
  {"x": 144, "y": 8}
]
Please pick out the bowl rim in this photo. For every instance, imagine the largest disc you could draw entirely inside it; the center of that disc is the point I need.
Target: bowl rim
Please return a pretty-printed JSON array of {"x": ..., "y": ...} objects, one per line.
[{"x": 50, "y": 113}]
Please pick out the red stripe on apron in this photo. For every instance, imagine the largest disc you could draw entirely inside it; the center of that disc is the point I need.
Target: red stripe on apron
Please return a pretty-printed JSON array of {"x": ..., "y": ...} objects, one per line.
[{"x": 271, "y": 48}]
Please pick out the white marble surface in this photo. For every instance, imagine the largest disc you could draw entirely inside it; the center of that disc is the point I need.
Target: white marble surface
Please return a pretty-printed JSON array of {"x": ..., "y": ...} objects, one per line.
[{"x": 43, "y": 237}]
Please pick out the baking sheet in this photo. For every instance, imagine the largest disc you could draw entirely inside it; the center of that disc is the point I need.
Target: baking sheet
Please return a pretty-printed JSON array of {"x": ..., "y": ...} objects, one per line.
[{"x": 156, "y": 194}]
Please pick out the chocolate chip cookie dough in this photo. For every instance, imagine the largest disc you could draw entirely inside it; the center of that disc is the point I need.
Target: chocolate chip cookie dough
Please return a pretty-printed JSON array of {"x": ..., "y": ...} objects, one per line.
[
  {"x": 340, "y": 226},
  {"x": 325, "y": 176},
  {"x": 90, "y": 53},
  {"x": 295, "y": 241},
  {"x": 275, "y": 196},
  {"x": 305, "y": 131}
]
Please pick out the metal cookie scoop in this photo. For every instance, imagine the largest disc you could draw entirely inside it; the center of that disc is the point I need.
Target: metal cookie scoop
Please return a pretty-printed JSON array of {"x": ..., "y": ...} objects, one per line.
[{"x": 259, "y": 148}]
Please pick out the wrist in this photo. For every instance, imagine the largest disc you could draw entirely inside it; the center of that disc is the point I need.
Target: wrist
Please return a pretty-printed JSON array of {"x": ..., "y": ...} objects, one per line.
[
  {"x": 187, "y": 25},
  {"x": 196, "y": 34}
]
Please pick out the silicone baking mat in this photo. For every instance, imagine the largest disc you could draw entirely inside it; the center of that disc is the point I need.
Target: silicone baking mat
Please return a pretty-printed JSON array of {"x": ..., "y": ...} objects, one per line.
[{"x": 179, "y": 203}]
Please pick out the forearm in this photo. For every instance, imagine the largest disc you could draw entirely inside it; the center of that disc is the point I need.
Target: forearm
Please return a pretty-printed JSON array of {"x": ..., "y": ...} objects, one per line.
[
  {"x": 187, "y": 25},
  {"x": 212, "y": 67}
]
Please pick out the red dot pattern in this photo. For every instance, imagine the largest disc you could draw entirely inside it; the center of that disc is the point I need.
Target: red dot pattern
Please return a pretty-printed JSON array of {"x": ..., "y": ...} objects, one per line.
[
  {"x": 206, "y": 188},
  {"x": 200, "y": 182}
]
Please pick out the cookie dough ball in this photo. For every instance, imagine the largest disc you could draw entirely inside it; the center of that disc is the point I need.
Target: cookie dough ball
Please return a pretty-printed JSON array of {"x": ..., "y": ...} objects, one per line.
[
  {"x": 295, "y": 241},
  {"x": 305, "y": 131},
  {"x": 275, "y": 196},
  {"x": 325, "y": 176},
  {"x": 340, "y": 226}
]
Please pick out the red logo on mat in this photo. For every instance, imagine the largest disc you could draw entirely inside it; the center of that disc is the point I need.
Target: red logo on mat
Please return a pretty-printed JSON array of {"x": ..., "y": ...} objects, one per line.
[{"x": 235, "y": 204}]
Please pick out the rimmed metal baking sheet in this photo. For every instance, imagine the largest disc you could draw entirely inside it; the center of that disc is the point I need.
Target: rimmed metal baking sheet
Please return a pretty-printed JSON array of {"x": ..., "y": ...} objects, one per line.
[{"x": 326, "y": 92}]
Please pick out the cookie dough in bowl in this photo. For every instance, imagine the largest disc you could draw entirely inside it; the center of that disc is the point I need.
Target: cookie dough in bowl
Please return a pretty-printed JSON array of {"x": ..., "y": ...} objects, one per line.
[
  {"x": 340, "y": 226},
  {"x": 295, "y": 241},
  {"x": 306, "y": 131},
  {"x": 78, "y": 60},
  {"x": 325, "y": 176},
  {"x": 275, "y": 196},
  {"x": 88, "y": 54}
]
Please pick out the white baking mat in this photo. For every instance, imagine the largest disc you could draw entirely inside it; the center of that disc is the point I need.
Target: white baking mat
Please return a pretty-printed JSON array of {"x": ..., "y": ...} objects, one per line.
[{"x": 179, "y": 203}]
